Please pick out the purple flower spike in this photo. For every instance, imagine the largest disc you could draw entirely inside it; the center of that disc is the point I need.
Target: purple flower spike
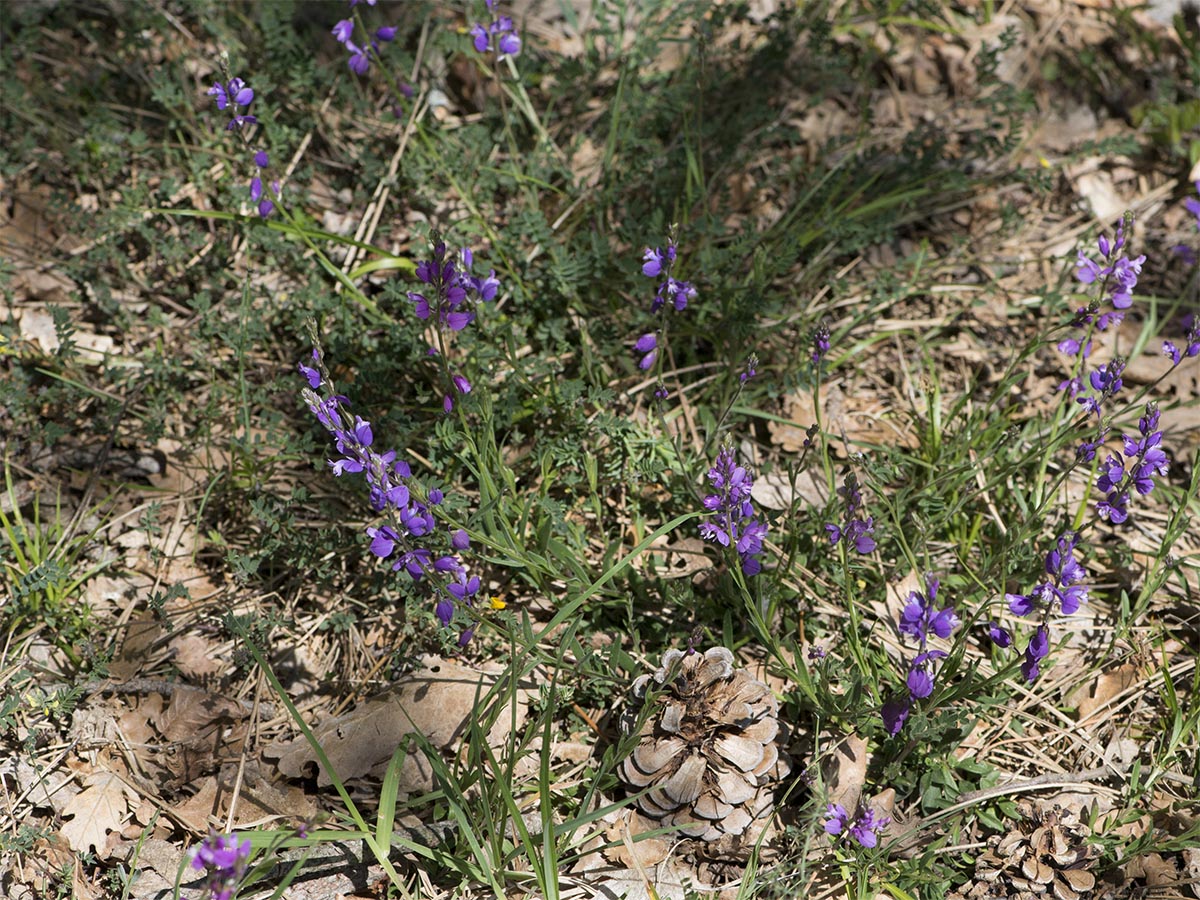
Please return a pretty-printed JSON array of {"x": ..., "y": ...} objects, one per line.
[
  {"x": 731, "y": 522},
  {"x": 1064, "y": 589},
  {"x": 856, "y": 529},
  {"x": 820, "y": 343},
  {"x": 232, "y": 95}
]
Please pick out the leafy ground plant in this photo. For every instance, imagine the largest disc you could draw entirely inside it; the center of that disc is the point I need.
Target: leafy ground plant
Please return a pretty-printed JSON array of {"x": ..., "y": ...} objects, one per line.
[{"x": 641, "y": 449}]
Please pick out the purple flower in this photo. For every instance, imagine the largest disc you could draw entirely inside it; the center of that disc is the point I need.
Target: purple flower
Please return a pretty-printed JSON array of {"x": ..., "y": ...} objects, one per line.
[
  {"x": 1140, "y": 459},
  {"x": 1089, "y": 271},
  {"x": 1125, "y": 274},
  {"x": 855, "y": 529},
  {"x": 450, "y": 299},
  {"x": 234, "y": 94},
  {"x": 731, "y": 522},
  {"x": 224, "y": 857},
  {"x": 1064, "y": 589},
  {"x": 836, "y": 819},
  {"x": 500, "y": 35},
  {"x": 920, "y": 676},
  {"x": 647, "y": 345},
  {"x": 999, "y": 635},
  {"x": 265, "y": 205},
  {"x": 895, "y": 714},
  {"x": 655, "y": 260},
  {"x": 820, "y": 341},
  {"x": 865, "y": 828},
  {"x": 1117, "y": 278},
  {"x": 410, "y": 520},
  {"x": 919, "y": 617},
  {"x": 312, "y": 375},
  {"x": 1191, "y": 331},
  {"x": 1192, "y": 205},
  {"x": 1105, "y": 381},
  {"x": 750, "y": 371},
  {"x": 1035, "y": 652},
  {"x": 658, "y": 262},
  {"x": 454, "y": 289},
  {"x": 360, "y": 59}
]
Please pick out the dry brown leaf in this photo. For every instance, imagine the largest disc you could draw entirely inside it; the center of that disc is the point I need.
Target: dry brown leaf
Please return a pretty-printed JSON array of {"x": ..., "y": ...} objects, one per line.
[
  {"x": 140, "y": 634},
  {"x": 94, "y": 812},
  {"x": 194, "y": 714},
  {"x": 680, "y": 559},
  {"x": 436, "y": 701},
  {"x": 845, "y": 771},
  {"x": 195, "y": 656},
  {"x": 134, "y": 725},
  {"x": 777, "y": 490},
  {"x": 1108, "y": 685},
  {"x": 1152, "y": 870}
]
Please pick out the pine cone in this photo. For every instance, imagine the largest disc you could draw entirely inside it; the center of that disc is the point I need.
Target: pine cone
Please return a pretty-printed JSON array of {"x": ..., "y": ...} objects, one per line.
[
  {"x": 1047, "y": 856},
  {"x": 708, "y": 752}
]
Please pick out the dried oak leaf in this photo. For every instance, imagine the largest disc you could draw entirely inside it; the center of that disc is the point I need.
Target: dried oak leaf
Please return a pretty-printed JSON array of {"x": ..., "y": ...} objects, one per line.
[
  {"x": 437, "y": 701},
  {"x": 94, "y": 812}
]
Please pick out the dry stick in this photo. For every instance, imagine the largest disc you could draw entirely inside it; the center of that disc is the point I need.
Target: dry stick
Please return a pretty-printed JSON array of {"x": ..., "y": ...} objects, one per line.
[
  {"x": 383, "y": 190},
  {"x": 291, "y": 167}
]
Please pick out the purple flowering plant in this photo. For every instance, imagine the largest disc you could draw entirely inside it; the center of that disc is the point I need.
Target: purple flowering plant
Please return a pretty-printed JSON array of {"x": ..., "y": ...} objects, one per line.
[
  {"x": 730, "y": 518},
  {"x": 670, "y": 294},
  {"x": 1063, "y": 592},
  {"x": 449, "y": 300},
  {"x": 222, "y": 858},
  {"x": 234, "y": 97},
  {"x": 856, "y": 529},
  {"x": 920, "y": 619},
  {"x": 499, "y": 36},
  {"x": 864, "y": 827},
  {"x": 409, "y": 533}
]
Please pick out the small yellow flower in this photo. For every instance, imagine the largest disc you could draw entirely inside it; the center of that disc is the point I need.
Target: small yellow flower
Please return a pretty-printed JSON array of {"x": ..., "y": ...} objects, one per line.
[{"x": 497, "y": 603}]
